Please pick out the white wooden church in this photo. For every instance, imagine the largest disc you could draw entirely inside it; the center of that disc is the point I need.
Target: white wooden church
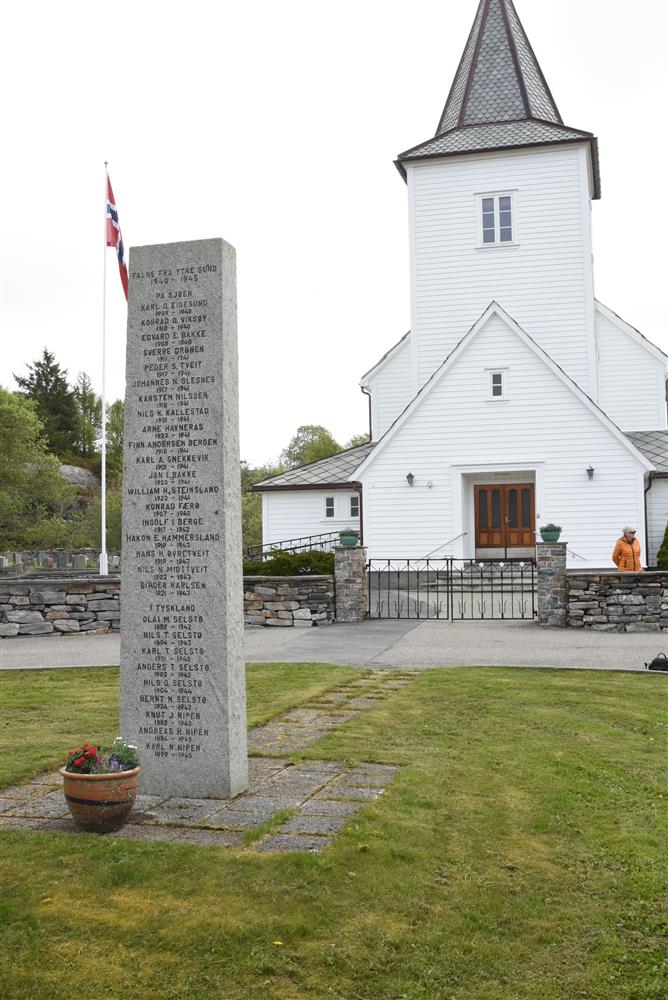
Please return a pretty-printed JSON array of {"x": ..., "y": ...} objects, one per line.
[{"x": 516, "y": 398}]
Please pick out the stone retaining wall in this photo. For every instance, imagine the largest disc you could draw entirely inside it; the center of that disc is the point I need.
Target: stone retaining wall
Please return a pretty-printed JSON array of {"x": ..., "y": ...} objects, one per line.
[
  {"x": 57, "y": 606},
  {"x": 299, "y": 601},
  {"x": 618, "y": 602},
  {"x": 60, "y": 605}
]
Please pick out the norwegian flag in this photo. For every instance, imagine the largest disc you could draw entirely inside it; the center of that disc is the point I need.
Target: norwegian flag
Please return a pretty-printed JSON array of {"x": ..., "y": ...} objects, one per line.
[{"x": 114, "y": 237}]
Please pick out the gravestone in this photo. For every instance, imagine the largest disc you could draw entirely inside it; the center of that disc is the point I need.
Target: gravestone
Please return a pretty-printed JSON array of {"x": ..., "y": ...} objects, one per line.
[
  {"x": 79, "y": 561},
  {"x": 182, "y": 672}
]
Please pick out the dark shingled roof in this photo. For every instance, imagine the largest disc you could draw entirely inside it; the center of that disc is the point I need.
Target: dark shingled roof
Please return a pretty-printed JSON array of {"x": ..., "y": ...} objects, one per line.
[
  {"x": 499, "y": 98},
  {"x": 337, "y": 470},
  {"x": 653, "y": 445}
]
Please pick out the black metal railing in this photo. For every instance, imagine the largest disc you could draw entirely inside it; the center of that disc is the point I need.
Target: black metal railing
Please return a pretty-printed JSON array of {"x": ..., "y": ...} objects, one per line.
[
  {"x": 325, "y": 542},
  {"x": 452, "y": 589}
]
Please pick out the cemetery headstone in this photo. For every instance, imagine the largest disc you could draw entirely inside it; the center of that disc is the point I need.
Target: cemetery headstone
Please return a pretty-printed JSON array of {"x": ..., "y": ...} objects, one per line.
[
  {"x": 79, "y": 561},
  {"x": 182, "y": 672}
]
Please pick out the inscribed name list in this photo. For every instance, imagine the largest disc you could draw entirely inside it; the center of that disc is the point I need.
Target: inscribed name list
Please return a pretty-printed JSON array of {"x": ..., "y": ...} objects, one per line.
[{"x": 182, "y": 697}]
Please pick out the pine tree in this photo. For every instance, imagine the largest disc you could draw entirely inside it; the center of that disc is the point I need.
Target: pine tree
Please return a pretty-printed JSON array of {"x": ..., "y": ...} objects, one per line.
[
  {"x": 46, "y": 384},
  {"x": 89, "y": 411}
]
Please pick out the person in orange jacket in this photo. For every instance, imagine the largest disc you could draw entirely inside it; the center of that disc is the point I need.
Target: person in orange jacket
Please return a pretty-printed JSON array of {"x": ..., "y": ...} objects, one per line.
[{"x": 626, "y": 556}]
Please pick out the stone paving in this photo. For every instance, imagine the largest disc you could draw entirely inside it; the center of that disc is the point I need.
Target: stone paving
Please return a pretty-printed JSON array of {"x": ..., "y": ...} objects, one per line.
[{"x": 287, "y": 807}]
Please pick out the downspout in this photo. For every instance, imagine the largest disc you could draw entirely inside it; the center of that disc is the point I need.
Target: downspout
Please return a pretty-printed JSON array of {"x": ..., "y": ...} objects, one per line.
[
  {"x": 359, "y": 490},
  {"x": 367, "y": 393},
  {"x": 650, "y": 480}
]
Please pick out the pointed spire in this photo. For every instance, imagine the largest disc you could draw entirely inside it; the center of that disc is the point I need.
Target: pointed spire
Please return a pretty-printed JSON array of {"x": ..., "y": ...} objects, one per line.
[
  {"x": 499, "y": 98},
  {"x": 498, "y": 79}
]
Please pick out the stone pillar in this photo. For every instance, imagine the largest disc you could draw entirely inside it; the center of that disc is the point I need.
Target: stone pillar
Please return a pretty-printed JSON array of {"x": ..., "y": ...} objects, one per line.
[
  {"x": 551, "y": 583},
  {"x": 350, "y": 584},
  {"x": 182, "y": 668}
]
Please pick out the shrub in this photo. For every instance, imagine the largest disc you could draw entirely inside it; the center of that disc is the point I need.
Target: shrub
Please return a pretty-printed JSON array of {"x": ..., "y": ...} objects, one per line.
[
  {"x": 292, "y": 564},
  {"x": 662, "y": 554}
]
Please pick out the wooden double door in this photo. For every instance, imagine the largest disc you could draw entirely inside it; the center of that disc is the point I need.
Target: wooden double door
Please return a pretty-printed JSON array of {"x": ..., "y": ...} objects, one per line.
[{"x": 505, "y": 516}]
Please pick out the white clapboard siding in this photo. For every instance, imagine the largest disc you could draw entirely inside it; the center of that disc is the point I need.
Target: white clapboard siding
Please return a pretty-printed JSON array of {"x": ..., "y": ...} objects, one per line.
[
  {"x": 297, "y": 513},
  {"x": 632, "y": 380},
  {"x": 544, "y": 282},
  {"x": 391, "y": 388},
  {"x": 543, "y": 428},
  {"x": 657, "y": 517}
]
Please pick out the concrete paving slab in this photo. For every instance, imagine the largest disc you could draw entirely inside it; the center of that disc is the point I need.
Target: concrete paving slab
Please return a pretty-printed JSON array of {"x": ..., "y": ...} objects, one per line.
[
  {"x": 320, "y": 825},
  {"x": 288, "y": 842}
]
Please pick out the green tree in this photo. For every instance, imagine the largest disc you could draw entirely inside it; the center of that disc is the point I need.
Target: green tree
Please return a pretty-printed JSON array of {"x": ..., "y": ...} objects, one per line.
[
  {"x": 311, "y": 443},
  {"x": 32, "y": 490},
  {"x": 46, "y": 384},
  {"x": 662, "y": 554},
  {"x": 89, "y": 417},
  {"x": 358, "y": 439},
  {"x": 251, "y": 503},
  {"x": 85, "y": 529},
  {"x": 115, "y": 413}
]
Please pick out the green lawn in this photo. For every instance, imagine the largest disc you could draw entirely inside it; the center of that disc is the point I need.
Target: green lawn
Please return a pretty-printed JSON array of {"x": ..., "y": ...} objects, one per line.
[
  {"x": 519, "y": 855},
  {"x": 43, "y": 713}
]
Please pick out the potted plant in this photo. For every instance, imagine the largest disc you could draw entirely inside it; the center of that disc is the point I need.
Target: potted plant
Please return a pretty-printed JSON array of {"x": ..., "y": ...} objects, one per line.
[
  {"x": 349, "y": 537},
  {"x": 550, "y": 532},
  {"x": 101, "y": 790}
]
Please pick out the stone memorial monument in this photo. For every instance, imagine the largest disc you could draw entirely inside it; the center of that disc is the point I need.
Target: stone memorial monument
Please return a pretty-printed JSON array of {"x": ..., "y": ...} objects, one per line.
[{"x": 182, "y": 671}]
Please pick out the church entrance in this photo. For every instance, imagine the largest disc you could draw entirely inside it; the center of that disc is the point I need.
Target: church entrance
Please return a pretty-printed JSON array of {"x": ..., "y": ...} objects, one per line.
[{"x": 505, "y": 516}]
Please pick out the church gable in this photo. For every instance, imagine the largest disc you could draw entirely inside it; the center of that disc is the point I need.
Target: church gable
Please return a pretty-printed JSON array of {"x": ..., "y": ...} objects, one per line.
[
  {"x": 498, "y": 385},
  {"x": 499, "y": 409},
  {"x": 632, "y": 374}
]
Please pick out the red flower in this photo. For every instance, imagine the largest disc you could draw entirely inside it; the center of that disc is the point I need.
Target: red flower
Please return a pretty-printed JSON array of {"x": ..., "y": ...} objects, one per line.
[{"x": 79, "y": 762}]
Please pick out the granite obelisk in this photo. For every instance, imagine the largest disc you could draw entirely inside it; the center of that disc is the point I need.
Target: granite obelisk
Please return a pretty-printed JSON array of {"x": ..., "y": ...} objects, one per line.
[{"x": 182, "y": 672}]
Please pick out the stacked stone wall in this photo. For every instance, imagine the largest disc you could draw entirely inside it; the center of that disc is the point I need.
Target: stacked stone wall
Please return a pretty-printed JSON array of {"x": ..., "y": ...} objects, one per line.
[
  {"x": 350, "y": 575},
  {"x": 59, "y": 606},
  {"x": 551, "y": 590},
  {"x": 283, "y": 601},
  {"x": 618, "y": 602}
]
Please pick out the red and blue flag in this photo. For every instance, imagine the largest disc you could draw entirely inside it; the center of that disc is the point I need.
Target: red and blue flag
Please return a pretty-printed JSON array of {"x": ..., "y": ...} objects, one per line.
[{"x": 114, "y": 237}]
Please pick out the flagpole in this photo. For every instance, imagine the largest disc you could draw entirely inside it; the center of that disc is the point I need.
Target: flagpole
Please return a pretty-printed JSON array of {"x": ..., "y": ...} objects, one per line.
[{"x": 104, "y": 562}]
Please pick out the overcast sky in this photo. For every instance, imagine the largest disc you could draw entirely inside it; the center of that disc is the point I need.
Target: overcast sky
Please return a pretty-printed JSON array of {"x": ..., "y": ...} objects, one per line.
[{"x": 275, "y": 126}]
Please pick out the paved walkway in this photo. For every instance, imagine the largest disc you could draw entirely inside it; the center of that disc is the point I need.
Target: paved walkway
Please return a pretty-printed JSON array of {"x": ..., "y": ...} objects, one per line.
[
  {"x": 319, "y": 796},
  {"x": 382, "y": 644}
]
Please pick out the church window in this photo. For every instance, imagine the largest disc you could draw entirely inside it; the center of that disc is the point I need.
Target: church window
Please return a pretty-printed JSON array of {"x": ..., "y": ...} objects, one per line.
[
  {"x": 496, "y": 219},
  {"x": 355, "y": 506},
  {"x": 329, "y": 506},
  {"x": 496, "y": 384}
]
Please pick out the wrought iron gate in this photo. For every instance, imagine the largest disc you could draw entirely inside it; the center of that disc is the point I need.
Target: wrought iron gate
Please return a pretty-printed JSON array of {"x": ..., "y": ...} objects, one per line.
[{"x": 452, "y": 589}]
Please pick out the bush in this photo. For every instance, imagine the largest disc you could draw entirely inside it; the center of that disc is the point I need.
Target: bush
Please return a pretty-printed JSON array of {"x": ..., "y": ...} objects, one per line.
[
  {"x": 292, "y": 564},
  {"x": 662, "y": 554}
]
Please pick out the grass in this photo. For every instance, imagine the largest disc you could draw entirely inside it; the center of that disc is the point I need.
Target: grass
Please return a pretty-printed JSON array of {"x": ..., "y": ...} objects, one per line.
[
  {"x": 519, "y": 855},
  {"x": 43, "y": 712}
]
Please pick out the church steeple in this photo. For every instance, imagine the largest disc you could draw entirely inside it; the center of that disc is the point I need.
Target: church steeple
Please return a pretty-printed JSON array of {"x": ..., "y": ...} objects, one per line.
[
  {"x": 498, "y": 78},
  {"x": 499, "y": 98}
]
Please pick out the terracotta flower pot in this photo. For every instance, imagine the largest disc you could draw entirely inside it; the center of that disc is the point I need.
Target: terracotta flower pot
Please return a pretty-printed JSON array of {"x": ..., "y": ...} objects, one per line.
[{"x": 100, "y": 803}]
